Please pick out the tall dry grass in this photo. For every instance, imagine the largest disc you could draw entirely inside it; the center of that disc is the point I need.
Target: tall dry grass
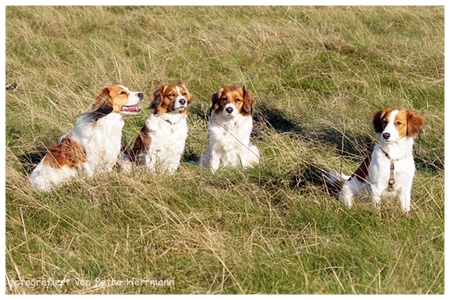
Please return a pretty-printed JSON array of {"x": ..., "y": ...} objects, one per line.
[{"x": 318, "y": 73}]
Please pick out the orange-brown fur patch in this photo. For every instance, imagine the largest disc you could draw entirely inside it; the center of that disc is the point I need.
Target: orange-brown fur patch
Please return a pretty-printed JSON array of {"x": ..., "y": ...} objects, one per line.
[
  {"x": 164, "y": 97},
  {"x": 141, "y": 144},
  {"x": 401, "y": 123},
  {"x": 415, "y": 123},
  {"x": 67, "y": 153},
  {"x": 362, "y": 171},
  {"x": 239, "y": 96}
]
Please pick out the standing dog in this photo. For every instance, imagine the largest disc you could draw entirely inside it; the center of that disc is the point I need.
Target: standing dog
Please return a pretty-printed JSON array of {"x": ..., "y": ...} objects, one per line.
[
  {"x": 93, "y": 145},
  {"x": 161, "y": 141},
  {"x": 230, "y": 126},
  {"x": 389, "y": 171}
]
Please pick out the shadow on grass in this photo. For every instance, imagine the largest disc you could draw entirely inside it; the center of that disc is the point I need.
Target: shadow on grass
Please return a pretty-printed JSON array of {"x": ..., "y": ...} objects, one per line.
[
  {"x": 266, "y": 116},
  {"x": 30, "y": 160},
  {"x": 350, "y": 145},
  {"x": 313, "y": 174}
]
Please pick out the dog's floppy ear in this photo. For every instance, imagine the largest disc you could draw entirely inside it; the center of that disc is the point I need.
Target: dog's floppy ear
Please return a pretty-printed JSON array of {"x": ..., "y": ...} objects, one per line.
[
  {"x": 215, "y": 99},
  {"x": 102, "y": 103},
  {"x": 249, "y": 102},
  {"x": 157, "y": 97},
  {"x": 415, "y": 123},
  {"x": 378, "y": 119}
]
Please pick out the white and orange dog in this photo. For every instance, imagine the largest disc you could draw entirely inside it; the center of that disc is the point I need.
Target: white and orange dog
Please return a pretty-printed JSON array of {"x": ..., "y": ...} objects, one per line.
[
  {"x": 389, "y": 171},
  {"x": 161, "y": 142},
  {"x": 93, "y": 145},
  {"x": 230, "y": 126}
]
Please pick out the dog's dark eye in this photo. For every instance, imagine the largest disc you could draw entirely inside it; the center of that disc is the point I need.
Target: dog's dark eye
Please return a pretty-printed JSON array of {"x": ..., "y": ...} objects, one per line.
[
  {"x": 223, "y": 99},
  {"x": 183, "y": 94},
  {"x": 171, "y": 94},
  {"x": 398, "y": 123},
  {"x": 238, "y": 100},
  {"x": 122, "y": 93}
]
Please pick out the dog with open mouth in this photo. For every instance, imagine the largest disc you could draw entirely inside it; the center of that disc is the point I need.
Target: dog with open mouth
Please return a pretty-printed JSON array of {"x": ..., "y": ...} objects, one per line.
[{"x": 93, "y": 145}]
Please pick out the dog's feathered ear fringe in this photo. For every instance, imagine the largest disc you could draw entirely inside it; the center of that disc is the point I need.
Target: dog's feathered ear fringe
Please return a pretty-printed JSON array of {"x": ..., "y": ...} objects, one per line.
[
  {"x": 415, "y": 123},
  {"x": 102, "y": 105},
  {"x": 249, "y": 102},
  {"x": 102, "y": 102},
  {"x": 376, "y": 120},
  {"x": 156, "y": 98},
  {"x": 215, "y": 99}
]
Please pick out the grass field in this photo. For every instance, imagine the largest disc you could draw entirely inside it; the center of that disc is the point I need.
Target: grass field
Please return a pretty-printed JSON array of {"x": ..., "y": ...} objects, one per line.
[{"x": 317, "y": 73}]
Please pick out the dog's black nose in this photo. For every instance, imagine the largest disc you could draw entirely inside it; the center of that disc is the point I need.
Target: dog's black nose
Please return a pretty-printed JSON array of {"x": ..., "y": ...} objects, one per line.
[
  {"x": 182, "y": 101},
  {"x": 140, "y": 95},
  {"x": 386, "y": 135},
  {"x": 229, "y": 110}
]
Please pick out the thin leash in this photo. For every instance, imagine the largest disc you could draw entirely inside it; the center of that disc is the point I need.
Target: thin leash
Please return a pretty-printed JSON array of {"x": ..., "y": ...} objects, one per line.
[{"x": 342, "y": 146}]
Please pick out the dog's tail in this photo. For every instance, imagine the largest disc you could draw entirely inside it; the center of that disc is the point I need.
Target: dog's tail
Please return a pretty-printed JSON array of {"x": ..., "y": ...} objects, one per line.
[{"x": 336, "y": 179}]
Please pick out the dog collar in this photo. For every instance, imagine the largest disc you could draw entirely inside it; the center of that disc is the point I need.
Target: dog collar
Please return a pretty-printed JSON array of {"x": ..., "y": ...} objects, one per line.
[
  {"x": 169, "y": 122},
  {"x": 391, "y": 171}
]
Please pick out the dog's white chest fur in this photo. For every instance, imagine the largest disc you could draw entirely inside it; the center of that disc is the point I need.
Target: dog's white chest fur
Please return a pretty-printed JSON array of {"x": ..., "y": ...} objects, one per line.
[
  {"x": 101, "y": 140},
  {"x": 376, "y": 183},
  {"x": 168, "y": 133},
  {"x": 226, "y": 135},
  {"x": 380, "y": 171},
  {"x": 229, "y": 142}
]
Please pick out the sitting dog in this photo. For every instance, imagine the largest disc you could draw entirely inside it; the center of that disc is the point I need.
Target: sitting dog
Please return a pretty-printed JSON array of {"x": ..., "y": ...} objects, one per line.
[
  {"x": 161, "y": 142},
  {"x": 230, "y": 126},
  {"x": 93, "y": 145},
  {"x": 389, "y": 171}
]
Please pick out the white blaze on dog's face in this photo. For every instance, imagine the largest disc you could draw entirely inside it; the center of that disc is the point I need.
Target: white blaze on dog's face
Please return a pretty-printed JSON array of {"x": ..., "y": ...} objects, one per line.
[
  {"x": 171, "y": 98},
  {"x": 394, "y": 128},
  {"x": 180, "y": 103},
  {"x": 231, "y": 101},
  {"x": 391, "y": 125}
]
